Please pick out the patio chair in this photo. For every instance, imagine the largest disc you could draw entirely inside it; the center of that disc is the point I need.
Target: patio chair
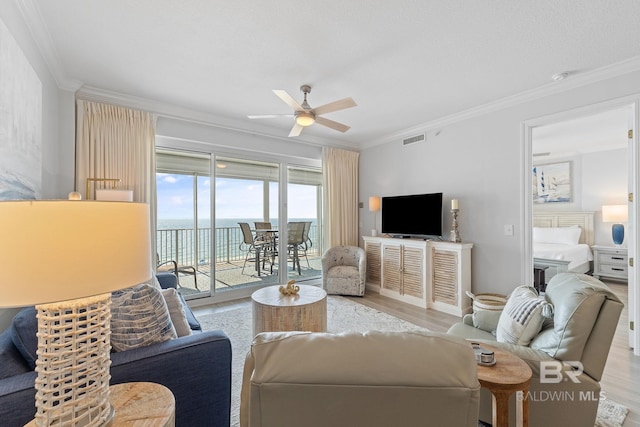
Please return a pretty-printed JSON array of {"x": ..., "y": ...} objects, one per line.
[
  {"x": 295, "y": 231},
  {"x": 263, "y": 235},
  {"x": 306, "y": 242},
  {"x": 254, "y": 246},
  {"x": 172, "y": 266}
]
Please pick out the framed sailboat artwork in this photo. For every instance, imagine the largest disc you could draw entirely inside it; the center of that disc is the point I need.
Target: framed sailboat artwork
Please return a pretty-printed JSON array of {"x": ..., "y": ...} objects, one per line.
[{"x": 552, "y": 183}]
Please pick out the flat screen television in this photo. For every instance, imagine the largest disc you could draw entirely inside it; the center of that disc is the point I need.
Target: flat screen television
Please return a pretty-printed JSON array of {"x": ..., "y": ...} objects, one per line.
[{"x": 412, "y": 215}]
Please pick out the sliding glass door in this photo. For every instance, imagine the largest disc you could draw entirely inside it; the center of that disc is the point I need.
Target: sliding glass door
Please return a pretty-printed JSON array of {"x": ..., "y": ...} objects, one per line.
[
  {"x": 246, "y": 225},
  {"x": 304, "y": 212},
  {"x": 224, "y": 225},
  {"x": 183, "y": 238}
]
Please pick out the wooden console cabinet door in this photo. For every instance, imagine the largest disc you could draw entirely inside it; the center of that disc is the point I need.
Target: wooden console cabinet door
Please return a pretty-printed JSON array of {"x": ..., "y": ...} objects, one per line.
[
  {"x": 412, "y": 268},
  {"x": 403, "y": 272},
  {"x": 445, "y": 277},
  {"x": 392, "y": 268},
  {"x": 374, "y": 264},
  {"x": 450, "y": 277}
]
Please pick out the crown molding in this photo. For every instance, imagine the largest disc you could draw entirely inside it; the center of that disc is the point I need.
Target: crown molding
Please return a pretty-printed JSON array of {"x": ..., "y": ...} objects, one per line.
[
  {"x": 575, "y": 81},
  {"x": 198, "y": 117},
  {"x": 38, "y": 29}
]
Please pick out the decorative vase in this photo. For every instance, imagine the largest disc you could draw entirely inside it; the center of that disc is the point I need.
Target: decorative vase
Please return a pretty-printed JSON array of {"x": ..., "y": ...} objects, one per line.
[{"x": 617, "y": 232}]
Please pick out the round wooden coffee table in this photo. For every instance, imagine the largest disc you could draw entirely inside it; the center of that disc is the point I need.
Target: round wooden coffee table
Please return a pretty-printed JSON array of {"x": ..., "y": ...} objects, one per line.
[
  {"x": 273, "y": 311},
  {"x": 510, "y": 374}
]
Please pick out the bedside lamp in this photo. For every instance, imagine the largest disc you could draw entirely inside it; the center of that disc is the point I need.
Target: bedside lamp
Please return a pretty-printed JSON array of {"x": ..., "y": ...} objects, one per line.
[
  {"x": 66, "y": 257},
  {"x": 374, "y": 206},
  {"x": 616, "y": 214}
]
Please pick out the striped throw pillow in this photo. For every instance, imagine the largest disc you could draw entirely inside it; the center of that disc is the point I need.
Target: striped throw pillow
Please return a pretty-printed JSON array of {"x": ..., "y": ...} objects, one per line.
[
  {"x": 139, "y": 317},
  {"x": 523, "y": 316}
]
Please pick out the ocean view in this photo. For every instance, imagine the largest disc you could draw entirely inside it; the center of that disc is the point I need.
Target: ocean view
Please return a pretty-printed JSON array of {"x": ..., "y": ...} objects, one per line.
[
  {"x": 168, "y": 224},
  {"x": 177, "y": 240}
]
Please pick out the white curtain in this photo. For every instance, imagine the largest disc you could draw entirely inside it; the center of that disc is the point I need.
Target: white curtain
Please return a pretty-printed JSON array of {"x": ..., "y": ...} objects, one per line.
[
  {"x": 340, "y": 181},
  {"x": 117, "y": 142}
]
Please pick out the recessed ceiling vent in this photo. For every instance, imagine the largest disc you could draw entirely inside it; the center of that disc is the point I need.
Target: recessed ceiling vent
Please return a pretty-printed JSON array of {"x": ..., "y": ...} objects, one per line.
[{"x": 414, "y": 139}]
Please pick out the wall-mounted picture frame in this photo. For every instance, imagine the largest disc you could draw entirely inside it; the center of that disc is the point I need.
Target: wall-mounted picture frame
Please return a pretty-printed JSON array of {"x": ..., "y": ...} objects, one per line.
[
  {"x": 552, "y": 183},
  {"x": 20, "y": 123}
]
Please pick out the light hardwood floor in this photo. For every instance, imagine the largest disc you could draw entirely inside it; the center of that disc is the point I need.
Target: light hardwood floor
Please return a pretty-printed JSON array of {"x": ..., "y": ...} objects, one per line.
[{"x": 621, "y": 378}]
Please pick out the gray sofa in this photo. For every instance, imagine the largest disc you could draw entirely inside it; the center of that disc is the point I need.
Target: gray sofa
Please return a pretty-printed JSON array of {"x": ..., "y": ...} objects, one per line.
[
  {"x": 585, "y": 316},
  {"x": 196, "y": 368}
]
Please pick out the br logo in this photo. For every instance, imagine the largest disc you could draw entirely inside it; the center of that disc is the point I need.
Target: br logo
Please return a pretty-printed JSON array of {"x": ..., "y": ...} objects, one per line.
[{"x": 553, "y": 372}]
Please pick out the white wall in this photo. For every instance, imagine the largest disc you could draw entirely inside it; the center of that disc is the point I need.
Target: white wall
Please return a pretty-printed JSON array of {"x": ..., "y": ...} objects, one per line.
[
  {"x": 478, "y": 161},
  {"x": 599, "y": 178},
  {"x": 57, "y": 121},
  {"x": 604, "y": 182}
]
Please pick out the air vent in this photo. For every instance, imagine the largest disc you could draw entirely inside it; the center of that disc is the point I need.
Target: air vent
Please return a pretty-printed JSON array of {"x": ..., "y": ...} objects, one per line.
[{"x": 414, "y": 139}]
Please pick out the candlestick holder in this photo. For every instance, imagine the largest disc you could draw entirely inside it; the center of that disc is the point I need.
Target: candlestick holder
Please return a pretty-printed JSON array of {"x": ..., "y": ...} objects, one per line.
[{"x": 455, "y": 234}]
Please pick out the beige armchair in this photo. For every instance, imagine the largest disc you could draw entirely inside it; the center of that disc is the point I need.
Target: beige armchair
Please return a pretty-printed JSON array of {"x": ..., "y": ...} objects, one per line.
[
  {"x": 373, "y": 379},
  {"x": 585, "y": 316},
  {"x": 344, "y": 270}
]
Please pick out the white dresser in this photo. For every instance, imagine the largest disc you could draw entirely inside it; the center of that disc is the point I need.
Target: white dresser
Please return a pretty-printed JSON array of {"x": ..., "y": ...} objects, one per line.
[{"x": 429, "y": 274}]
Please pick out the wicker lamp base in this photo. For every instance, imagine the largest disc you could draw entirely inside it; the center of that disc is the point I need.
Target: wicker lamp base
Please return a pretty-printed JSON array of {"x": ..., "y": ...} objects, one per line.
[{"x": 72, "y": 388}]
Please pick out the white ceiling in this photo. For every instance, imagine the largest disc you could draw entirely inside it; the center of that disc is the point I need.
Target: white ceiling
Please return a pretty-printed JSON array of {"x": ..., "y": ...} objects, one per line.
[
  {"x": 592, "y": 133},
  {"x": 406, "y": 63}
]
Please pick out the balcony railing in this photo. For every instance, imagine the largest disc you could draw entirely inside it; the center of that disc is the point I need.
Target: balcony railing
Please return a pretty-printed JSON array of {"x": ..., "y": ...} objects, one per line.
[{"x": 187, "y": 247}]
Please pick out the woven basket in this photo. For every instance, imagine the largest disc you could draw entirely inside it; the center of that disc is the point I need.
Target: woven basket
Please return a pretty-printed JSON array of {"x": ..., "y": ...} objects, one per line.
[{"x": 487, "y": 302}]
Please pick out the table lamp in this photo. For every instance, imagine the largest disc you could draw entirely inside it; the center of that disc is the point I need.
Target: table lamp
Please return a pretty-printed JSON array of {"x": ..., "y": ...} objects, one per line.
[
  {"x": 374, "y": 206},
  {"x": 616, "y": 214},
  {"x": 66, "y": 257}
]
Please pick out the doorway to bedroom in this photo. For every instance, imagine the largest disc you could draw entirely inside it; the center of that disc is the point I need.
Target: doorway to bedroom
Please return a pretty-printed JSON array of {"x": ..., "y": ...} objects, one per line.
[{"x": 580, "y": 164}]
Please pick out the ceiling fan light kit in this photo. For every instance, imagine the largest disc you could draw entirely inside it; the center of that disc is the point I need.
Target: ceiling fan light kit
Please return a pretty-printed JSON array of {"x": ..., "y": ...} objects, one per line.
[
  {"x": 305, "y": 119},
  {"x": 305, "y": 116}
]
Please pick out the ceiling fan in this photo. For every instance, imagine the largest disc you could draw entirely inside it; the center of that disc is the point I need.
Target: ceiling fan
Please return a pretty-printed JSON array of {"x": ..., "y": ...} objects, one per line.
[{"x": 306, "y": 116}]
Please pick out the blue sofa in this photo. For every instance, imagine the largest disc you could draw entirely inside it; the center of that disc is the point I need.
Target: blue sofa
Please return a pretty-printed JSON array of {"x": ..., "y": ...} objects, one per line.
[{"x": 196, "y": 368}]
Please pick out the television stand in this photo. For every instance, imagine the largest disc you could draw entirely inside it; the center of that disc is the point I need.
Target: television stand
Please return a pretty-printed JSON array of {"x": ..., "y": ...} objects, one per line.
[{"x": 428, "y": 274}]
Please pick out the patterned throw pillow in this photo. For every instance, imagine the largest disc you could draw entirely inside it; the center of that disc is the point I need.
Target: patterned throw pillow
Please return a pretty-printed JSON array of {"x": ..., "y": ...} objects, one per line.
[
  {"x": 139, "y": 317},
  {"x": 177, "y": 312},
  {"x": 523, "y": 316}
]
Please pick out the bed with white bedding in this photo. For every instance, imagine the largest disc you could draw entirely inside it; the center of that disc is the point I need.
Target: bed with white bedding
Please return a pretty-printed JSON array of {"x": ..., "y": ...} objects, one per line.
[{"x": 562, "y": 242}]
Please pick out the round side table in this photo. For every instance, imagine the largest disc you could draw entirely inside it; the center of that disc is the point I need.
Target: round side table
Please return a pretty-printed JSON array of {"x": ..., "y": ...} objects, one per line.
[
  {"x": 273, "y": 311},
  {"x": 510, "y": 374},
  {"x": 141, "y": 404}
]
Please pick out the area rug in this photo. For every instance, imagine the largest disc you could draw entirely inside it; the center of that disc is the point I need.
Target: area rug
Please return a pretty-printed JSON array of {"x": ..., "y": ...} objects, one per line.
[
  {"x": 610, "y": 413},
  {"x": 343, "y": 315}
]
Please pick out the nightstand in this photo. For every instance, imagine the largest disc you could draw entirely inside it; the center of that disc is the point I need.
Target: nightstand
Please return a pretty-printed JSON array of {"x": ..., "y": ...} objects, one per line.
[{"x": 610, "y": 262}]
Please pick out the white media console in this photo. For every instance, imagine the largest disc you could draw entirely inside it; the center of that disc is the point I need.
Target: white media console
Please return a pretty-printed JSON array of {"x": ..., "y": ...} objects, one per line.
[{"x": 427, "y": 273}]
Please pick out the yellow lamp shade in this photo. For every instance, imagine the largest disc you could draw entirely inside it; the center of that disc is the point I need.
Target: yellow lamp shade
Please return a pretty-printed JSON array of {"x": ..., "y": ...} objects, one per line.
[
  {"x": 59, "y": 250},
  {"x": 374, "y": 203}
]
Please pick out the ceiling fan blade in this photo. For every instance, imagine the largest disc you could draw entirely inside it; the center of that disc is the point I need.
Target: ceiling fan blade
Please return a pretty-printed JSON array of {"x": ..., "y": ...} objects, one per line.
[
  {"x": 331, "y": 124},
  {"x": 296, "y": 130},
  {"x": 282, "y": 94},
  {"x": 269, "y": 116},
  {"x": 334, "y": 106}
]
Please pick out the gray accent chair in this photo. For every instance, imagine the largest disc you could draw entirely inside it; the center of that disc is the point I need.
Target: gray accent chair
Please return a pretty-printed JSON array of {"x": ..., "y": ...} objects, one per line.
[
  {"x": 344, "y": 270},
  {"x": 373, "y": 379},
  {"x": 585, "y": 317}
]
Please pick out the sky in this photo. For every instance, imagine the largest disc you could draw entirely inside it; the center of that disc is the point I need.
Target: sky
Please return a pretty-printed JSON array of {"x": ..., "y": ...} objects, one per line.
[{"x": 235, "y": 198}]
